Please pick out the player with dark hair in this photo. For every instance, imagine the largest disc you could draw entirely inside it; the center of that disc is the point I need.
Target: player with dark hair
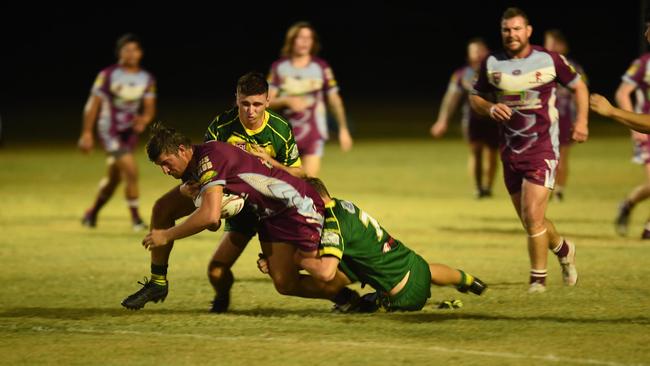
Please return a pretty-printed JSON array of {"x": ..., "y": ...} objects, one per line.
[
  {"x": 516, "y": 88},
  {"x": 300, "y": 82},
  {"x": 122, "y": 102},
  {"x": 353, "y": 242},
  {"x": 636, "y": 117},
  {"x": 290, "y": 211},
  {"x": 554, "y": 40},
  {"x": 251, "y": 127},
  {"x": 481, "y": 133}
]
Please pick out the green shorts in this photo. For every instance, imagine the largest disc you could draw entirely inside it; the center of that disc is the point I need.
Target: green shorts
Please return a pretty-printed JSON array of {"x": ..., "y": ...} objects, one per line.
[
  {"x": 245, "y": 222},
  {"x": 417, "y": 290}
]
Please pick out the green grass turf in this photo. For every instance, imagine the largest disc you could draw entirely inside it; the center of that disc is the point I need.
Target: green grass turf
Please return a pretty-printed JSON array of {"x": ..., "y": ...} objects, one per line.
[{"x": 62, "y": 283}]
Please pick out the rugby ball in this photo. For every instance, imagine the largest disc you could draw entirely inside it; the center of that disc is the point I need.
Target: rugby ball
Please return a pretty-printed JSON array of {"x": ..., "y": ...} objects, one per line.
[{"x": 231, "y": 204}]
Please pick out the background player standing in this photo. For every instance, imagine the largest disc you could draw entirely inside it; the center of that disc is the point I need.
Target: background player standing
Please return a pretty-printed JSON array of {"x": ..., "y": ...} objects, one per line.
[
  {"x": 299, "y": 84},
  {"x": 122, "y": 102},
  {"x": 554, "y": 40},
  {"x": 522, "y": 81},
  {"x": 482, "y": 133}
]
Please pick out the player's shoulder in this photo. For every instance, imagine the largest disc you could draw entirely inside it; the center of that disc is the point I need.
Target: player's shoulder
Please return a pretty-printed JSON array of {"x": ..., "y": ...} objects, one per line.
[
  {"x": 320, "y": 62},
  {"x": 225, "y": 119},
  {"x": 279, "y": 124},
  {"x": 343, "y": 207},
  {"x": 644, "y": 57},
  {"x": 281, "y": 61}
]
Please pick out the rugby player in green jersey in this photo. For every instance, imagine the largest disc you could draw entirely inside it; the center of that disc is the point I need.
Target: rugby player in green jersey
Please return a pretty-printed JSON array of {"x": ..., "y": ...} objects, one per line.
[
  {"x": 250, "y": 126},
  {"x": 354, "y": 243}
]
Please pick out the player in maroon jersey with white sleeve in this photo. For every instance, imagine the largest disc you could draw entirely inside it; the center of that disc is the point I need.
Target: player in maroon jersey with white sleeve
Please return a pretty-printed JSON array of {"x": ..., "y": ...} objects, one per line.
[
  {"x": 517, "y": 88},
  {"x": 290, "y": 211}
]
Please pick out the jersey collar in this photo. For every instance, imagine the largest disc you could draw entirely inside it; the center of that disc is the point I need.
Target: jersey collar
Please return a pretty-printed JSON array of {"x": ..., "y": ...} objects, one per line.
[{"x": 259, "y": 129}]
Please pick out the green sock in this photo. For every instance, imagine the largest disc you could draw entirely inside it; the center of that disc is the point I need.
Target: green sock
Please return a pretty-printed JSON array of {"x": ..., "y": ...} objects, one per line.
[
  {"x": 466, "y": 279},
  {"x": 159, "y": 279},
  {"x": 159, "y": 274}
]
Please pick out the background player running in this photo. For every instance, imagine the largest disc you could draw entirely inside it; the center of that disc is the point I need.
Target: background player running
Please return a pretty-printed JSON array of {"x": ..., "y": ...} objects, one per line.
[
  {"x": 122, "y": 102},
  {"x": 300, "y": 84}
]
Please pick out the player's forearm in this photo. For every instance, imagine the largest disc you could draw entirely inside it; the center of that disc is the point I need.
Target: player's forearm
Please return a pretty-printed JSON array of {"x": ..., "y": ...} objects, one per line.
[
  {"x": 338, "y": 109},
  {"x": 322, "y": 268},
  {"x": 623, "y": 99},
  {"x": 480, "y": 105},
  {"x": 148, "y": 112},
  {"x": 91, "y": 110},
  {"x": 448, "y": 105},
  {"x": 582, "y": 103},
  {"x": 198, "y": 221},
  {"x": 637, "y": 121}
]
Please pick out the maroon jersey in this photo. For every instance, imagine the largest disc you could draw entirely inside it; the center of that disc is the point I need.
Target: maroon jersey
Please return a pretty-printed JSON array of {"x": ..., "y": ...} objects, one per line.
[
  {"x": 528, "y": 86},
  {"x": 290, "y": 209},
  {"x": 638, "y": 74}
]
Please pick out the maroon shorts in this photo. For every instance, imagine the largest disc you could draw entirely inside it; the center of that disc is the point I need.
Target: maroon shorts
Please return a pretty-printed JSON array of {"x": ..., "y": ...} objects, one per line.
[
  {"x": 308, "y": 139},
  {"x": 291, "y": 228},
  {"x": 537, "y": 171},
  {"x": 119, "y": 143},
  {"x": 641, "y": 152},
  {"x": 566, "y": 129},
  {"x": 484, "y": 131}
]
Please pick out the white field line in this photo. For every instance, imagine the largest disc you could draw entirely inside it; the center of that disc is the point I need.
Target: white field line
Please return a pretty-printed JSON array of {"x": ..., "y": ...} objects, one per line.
[{"x": 420, "y": 348}]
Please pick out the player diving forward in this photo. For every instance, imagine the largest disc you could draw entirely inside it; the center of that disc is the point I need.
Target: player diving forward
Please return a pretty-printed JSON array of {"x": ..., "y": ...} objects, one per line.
[{"x": 354, "y": 243}]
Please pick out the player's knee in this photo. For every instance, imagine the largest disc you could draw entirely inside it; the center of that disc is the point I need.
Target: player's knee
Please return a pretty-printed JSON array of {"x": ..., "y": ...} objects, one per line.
[
  {"x": 161, "y": 213},
  {"x": 219, "y": 272},
  {"x": 285, "y": 285}
]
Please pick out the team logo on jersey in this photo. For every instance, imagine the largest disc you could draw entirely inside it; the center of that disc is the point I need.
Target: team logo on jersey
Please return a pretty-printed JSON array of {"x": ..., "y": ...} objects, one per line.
[
  {"x": 330, "y": 238},
  {"x": 388, "y": 245},
  {"x": 633, "y": 68},
  {"x": 538, "y": 78},
  {"x": 204, "y": 164},
  {"x": 348, "y": 206},
  {"x": 293, "y": 154},
  {"x": 207, "y": 176},
  {"x": 496, "y": 77}
]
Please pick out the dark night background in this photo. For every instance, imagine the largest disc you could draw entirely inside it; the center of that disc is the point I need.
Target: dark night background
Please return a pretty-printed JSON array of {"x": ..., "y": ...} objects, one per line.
[{"x": 392, "y": 59}]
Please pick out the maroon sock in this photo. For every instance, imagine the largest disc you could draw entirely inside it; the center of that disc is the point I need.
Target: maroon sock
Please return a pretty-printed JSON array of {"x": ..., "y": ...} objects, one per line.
[
  {"x": 538, "y": 275},
  {"x": 133, "y": 208},
  {"x": 562, "y": 250},
  {"x": 99, "y": 203}
]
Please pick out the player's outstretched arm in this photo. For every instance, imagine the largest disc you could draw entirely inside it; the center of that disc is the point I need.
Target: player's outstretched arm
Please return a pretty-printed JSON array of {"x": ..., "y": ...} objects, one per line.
[
  {"x": 581, "y": 128},
  {"x": 91, "y": 110},
  {"x": 206, "y": 216},
  {"x": 259, "y": 151},
  {"x": 335, "y": 103},
  {"x": 449, "y": 104},
  {"x": 148, "y": 113},
  {"x": 636, "y": 121}
]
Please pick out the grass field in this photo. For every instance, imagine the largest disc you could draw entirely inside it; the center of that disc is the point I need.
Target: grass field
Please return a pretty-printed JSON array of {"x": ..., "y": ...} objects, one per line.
[{"x": 62, "y": 284}]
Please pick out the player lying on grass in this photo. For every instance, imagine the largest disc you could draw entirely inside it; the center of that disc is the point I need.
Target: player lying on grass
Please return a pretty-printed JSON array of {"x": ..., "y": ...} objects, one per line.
[
  {"x": 355, "y": 243},
  {"x": 289, "y": 209}
]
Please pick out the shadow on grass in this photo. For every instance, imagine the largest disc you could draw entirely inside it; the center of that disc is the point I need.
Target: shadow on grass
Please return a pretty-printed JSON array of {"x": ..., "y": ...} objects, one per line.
[
  {"x": 445, "y": 315},
  {"x": 87, "y": 313},
  {"x": 481, "y": 230}
]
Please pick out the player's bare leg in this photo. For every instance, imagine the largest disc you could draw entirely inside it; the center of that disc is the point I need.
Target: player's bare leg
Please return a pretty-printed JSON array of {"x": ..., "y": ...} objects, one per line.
[
  {"x": 311, "y": 165},
  {"x": 492, "y": 161},
  {"x": 637, "y": 195},
  {"x": 476, "y": 166},
  {"x": 219, "y": 270},
  {"x": 530, "y": 204},
  {"x": 129, "y": 170},
  {"x": 562, "y": 172},
  {"x": 171, "y": 206},
  {"x": 443, "y": 275},
  {"x": 286, "y": 277},
  {"x": 107, "y": 186}
]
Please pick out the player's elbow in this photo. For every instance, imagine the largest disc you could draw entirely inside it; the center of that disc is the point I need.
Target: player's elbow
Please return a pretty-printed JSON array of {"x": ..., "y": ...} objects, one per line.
[{"x": 326, "y": 275}]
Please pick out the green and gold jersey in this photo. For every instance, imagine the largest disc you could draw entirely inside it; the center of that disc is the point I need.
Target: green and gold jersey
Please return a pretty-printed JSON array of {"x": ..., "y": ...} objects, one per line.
[
  {"x": 275, "y": 136},
  {"x": 367, "y": 252}
]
